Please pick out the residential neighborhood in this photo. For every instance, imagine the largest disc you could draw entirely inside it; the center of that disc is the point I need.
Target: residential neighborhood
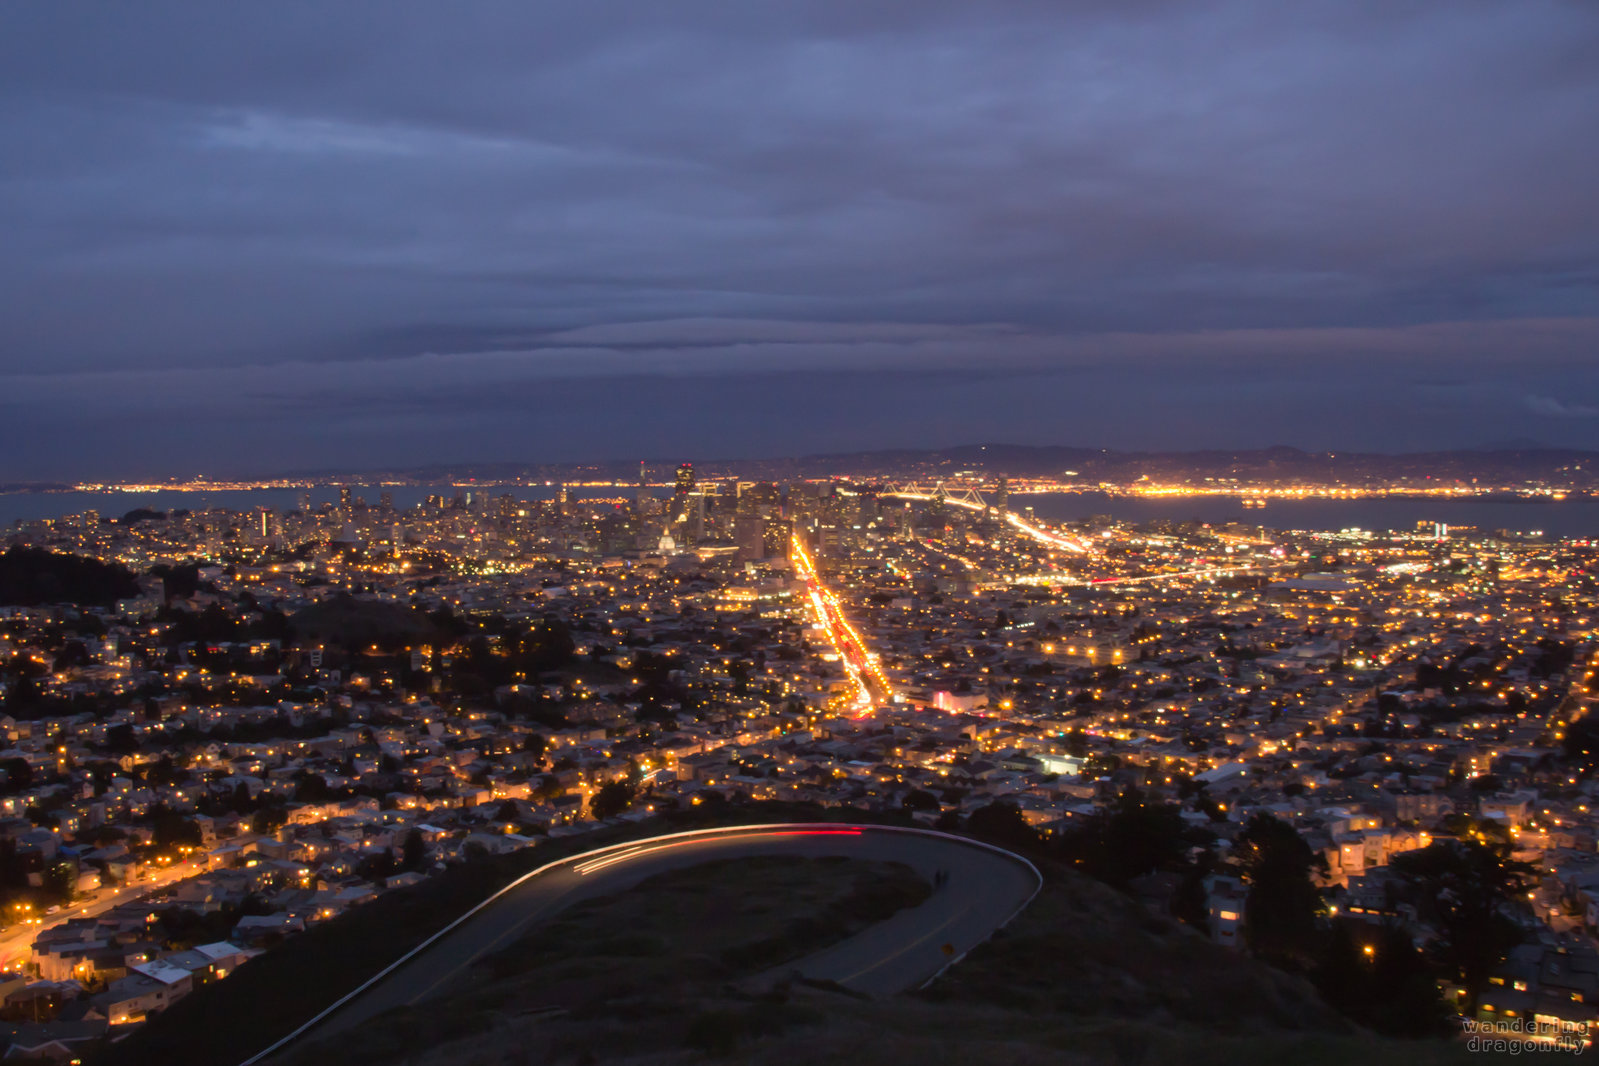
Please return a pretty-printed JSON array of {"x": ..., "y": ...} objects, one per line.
[{"x": 229, "y": 726}]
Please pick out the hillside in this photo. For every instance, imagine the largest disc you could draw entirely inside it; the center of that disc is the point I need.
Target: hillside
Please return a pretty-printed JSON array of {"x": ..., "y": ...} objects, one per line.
[
  {"x": 352, "y": 623},
  {"x": 666, "y": 959},
  {"x": 1084, "y": 976},
  {"x": 660, "y": 974}
]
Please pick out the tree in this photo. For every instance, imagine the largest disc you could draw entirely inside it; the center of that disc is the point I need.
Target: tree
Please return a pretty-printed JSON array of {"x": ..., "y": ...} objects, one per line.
[
  {"x": 19, "y": 775},
  {"x": 1131, "y": 838},
  {"x": 120, "y": 738},
  {"x": 31, "y": 576},
  {"x": 1472, "y": 893},
  {"x": 310, "y": 787},
  {"x": 413, "y": 853},
  {"x": 1282, "y": 905},
  {"x": 60, "y": 880},
  {"x": 24, "y": 692},
  {"x": 1002, "y": 822},
  {"x": 1582, "y": 744},
  {"x": 612, "y": 799},
  {"x": 1379, "y": 978},
  {"x": 377, "y": 866},
  {"x": 1099, "y": 766},
  {"x": 1205, "y": 803},
  {"x": 919, "y": 799},
  {"x": 268, "y": 820},
  {"x": 171, "y": 829}
]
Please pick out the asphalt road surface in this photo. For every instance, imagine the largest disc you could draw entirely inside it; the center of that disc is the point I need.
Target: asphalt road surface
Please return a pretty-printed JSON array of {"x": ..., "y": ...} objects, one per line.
[
  {"x": 984, "y": 888},
  {"x": 16, "y": 944}
]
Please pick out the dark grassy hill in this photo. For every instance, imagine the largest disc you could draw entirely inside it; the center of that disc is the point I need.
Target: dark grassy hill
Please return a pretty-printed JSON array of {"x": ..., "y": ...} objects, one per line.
[
  {"x": 1085, "y": 974},
  {"x": 352, "y": 623}
]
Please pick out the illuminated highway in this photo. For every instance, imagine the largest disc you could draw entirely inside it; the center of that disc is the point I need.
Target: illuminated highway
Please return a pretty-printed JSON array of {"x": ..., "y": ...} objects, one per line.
[
  {"x": 1142, "y": 579},
  {"x": 1028, "y": 529},
  {"x": 865, "y": 672},
  {"x": 970, "y": 501}
]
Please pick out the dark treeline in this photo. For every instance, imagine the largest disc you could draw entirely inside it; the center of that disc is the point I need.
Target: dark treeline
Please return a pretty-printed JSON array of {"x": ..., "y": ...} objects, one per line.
[
  {"x": 1467, "y": 896},
  {"x": 32, "y": 576}
]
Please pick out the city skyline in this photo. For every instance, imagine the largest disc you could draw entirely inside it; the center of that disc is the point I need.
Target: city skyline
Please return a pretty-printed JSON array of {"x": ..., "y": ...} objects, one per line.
[{"x": 383, "y": 235}]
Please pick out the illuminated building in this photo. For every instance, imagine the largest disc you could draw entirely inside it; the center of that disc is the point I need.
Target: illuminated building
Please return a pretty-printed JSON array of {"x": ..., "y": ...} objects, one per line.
[
  {"x": 749, "y": 533},
  {"x": 776, "y": 535}
]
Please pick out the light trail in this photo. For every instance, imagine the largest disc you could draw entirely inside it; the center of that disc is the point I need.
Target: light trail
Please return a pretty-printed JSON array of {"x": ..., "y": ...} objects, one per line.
[
  {"x": 596, "y": 865},
  {"x": 859, "y": 663},
  {"x": 1138, "y": 579},
  {"x": 1053, "y": 540},
  {"x": 1072, "y": 544},
  {"x": 1210, "y": 571}
]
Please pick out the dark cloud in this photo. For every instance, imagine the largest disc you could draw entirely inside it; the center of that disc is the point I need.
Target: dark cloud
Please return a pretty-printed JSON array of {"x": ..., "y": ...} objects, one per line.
[{"x": 217, "y": 214}]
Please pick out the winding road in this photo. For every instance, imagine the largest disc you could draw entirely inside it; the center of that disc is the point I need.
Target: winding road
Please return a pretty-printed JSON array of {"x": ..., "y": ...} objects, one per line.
[{"x": 984, "y": 888}]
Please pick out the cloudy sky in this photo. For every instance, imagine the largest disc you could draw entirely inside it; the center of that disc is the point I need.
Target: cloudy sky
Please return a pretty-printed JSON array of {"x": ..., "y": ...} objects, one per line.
[{"x": 255, "y": 237}]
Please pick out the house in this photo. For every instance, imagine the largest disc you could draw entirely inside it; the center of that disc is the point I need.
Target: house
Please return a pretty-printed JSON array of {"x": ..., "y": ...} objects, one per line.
[
  {"x": 208, "y": 962},
  {"x": 257, "y": 929},
  {"x": 1549, "y": 992},
  {"x": 150, "y": 987},
  {"x": 58, "y": 1041},
  {"x": 1224, "y": 900}
]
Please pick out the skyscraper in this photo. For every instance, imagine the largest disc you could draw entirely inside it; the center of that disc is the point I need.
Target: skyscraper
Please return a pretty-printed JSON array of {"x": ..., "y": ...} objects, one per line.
[
  {"x": 749, "y": 533},
  {"x": 936, "y": 509},
  {"x": 1001, "y": 508},
  {"x": 680, "y": 510},
  {"x": 776, "y": 536}
]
